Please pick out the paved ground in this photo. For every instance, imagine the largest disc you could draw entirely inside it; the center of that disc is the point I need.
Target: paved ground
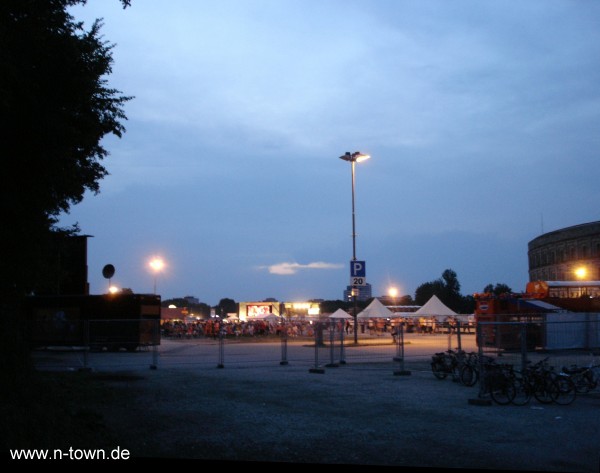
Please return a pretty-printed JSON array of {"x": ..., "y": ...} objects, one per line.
[{"x": 359, "y": 414}]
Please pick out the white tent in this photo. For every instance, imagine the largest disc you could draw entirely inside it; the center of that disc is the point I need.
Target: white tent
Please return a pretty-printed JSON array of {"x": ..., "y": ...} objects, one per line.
[
  {"x": 375, "y": 310},
  {"x": 434, "y": 306},
  {"x": 340, "y": 314},
  {"x": 268, "y": 317}
]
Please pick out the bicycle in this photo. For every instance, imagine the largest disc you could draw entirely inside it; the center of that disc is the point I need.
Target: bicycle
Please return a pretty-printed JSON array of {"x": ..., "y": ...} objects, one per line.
[
  {"x": 469, "y": 373},
  {"x": 498, "y": 381},
  {"x": 567, "y": 391},
  {"x": 544, "y": 384},
  {"x": 447, "y": 363},
  {"x": 585, "y": 378}
]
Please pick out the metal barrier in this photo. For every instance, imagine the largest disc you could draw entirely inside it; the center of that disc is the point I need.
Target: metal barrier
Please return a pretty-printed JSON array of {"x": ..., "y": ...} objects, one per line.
[
  {"x": 566, "y": 341},
  {"x": 99, "y": 338}
]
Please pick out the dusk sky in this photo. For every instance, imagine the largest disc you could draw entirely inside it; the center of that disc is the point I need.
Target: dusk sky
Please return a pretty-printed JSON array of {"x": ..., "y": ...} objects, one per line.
[{"x": 482, "y": 120}]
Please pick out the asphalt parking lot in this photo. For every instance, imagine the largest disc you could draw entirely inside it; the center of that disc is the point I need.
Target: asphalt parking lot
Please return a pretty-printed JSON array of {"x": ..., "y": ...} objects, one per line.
[{"x": 359, "y": 414}]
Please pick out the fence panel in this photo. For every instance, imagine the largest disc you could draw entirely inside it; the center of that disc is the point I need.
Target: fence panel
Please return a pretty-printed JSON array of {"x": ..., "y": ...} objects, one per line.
[{"x": 563, "y": 340}]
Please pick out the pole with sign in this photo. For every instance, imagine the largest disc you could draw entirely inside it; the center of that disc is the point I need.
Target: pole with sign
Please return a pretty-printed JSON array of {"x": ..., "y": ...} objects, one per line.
[
  {"x": 355, "y": 266},
  {"x": 358, "y": 277}
]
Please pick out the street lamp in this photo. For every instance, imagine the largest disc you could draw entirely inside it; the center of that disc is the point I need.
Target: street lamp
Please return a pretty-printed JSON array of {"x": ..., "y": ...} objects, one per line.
[
  {"x": 354, "y": 158},
  {"x": 157, "y": 264},
  {"x": 581, "y": 273},
  {"x": 393, "y": 293}
]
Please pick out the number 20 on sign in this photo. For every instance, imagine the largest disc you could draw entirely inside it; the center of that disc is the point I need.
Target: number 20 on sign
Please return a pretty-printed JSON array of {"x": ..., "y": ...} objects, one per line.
[{"x": 358, "y": 273}]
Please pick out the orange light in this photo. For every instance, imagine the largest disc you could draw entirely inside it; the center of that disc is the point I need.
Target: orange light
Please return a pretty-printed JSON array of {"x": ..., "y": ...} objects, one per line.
[{"x": 581, "y": 272}]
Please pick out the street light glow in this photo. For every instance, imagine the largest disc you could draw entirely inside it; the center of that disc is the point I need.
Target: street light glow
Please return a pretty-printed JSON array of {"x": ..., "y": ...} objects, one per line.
[
  {"x": 581, "y": 272},
  {"x": 157, "y": 264},
  {"x": 355, "y": 157}
]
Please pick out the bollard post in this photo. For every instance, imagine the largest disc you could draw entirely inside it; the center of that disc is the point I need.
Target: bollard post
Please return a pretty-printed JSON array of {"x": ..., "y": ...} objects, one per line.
[
  {"x": 400, "y": 352},
  {"x": 156, "y": 341},
  {"x": 284, "y": 339},
  {"x": 316, "y": 368},
  {"x": 342, "y": 350},
  {"x": 221, "y": 363},
  {"x": 331, "y": 364}
]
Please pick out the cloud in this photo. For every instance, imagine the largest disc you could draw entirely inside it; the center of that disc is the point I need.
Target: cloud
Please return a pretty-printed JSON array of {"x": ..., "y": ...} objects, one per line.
[{"x": 293, "y": 268}]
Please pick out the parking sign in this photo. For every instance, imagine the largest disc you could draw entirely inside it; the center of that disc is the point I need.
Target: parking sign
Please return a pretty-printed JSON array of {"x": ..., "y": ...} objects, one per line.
[{"x": 358, "y": 273}]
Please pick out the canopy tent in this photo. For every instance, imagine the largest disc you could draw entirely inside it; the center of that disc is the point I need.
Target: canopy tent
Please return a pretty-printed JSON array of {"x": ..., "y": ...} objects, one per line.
[
  {"x": 375, "y": 310},
  {"x": 434, "y": 306},
  {"x": 268, "y": 317},
  {"x": 340, "y": 314}
]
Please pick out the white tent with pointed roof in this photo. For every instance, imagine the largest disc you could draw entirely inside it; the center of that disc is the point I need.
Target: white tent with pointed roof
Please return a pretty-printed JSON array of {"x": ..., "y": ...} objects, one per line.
[
  {"x": 375, "y": 310},
  {"x": 434, "y": 306},
  {"x": 340, "y": 314}
]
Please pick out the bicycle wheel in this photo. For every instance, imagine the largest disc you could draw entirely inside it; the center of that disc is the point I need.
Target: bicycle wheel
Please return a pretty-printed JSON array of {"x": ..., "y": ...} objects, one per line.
[
  {"x": 567, "y": 392},
  {"x": 456, "y": 369},
  {"x": 439, "y": 370},
  {"x": 522, "y": 391},
  {"x": 545, "y": 390},
  {"x": 580, "y": 377},
  {"x": 469, "y": 375},
  {"x": 585, "y": 381},
  {"x": 502, "y": 390}
]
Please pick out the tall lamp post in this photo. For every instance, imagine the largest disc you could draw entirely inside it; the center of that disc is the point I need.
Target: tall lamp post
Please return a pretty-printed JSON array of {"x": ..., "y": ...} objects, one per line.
[
  {"x": 354, "y": 158},
  {"x": 157, "y": 265}
]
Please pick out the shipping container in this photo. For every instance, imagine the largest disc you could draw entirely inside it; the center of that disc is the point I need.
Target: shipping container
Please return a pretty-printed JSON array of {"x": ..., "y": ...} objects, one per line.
[{"x": 101, "y": 322}]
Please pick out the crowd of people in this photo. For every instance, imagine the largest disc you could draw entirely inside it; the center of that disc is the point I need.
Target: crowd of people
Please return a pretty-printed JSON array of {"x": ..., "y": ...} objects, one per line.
[
  {"x": 299, "y": 327},
  {"x": 216, "y": 327}
]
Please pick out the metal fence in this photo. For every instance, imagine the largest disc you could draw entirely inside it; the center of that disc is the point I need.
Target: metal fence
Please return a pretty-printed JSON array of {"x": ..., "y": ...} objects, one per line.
[
  {"x": 328, "y": 344},
  {"x": 564, "y": 340}
]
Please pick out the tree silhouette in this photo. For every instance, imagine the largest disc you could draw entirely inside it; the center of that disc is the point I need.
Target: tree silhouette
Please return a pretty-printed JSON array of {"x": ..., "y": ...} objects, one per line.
[
  {"x": 56, "y": 107},
  {"x": 447, "y": 289},
  {"x": 499, "y": 288}
]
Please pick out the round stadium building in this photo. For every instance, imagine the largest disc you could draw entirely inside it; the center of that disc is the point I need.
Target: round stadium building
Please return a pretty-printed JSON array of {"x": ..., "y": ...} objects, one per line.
[{"x": 567, "y": 254}]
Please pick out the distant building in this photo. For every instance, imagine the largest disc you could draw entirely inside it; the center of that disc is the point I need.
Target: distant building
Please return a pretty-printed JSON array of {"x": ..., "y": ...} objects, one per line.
[
  {"x": 568, "y": 254},
  {"x": 363, "y": 293},
  {"x": 67, "y": 256}
]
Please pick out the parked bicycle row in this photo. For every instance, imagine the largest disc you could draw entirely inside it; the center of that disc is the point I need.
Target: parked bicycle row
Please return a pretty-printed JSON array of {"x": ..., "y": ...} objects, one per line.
[{"x": 505, "y": 384}]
